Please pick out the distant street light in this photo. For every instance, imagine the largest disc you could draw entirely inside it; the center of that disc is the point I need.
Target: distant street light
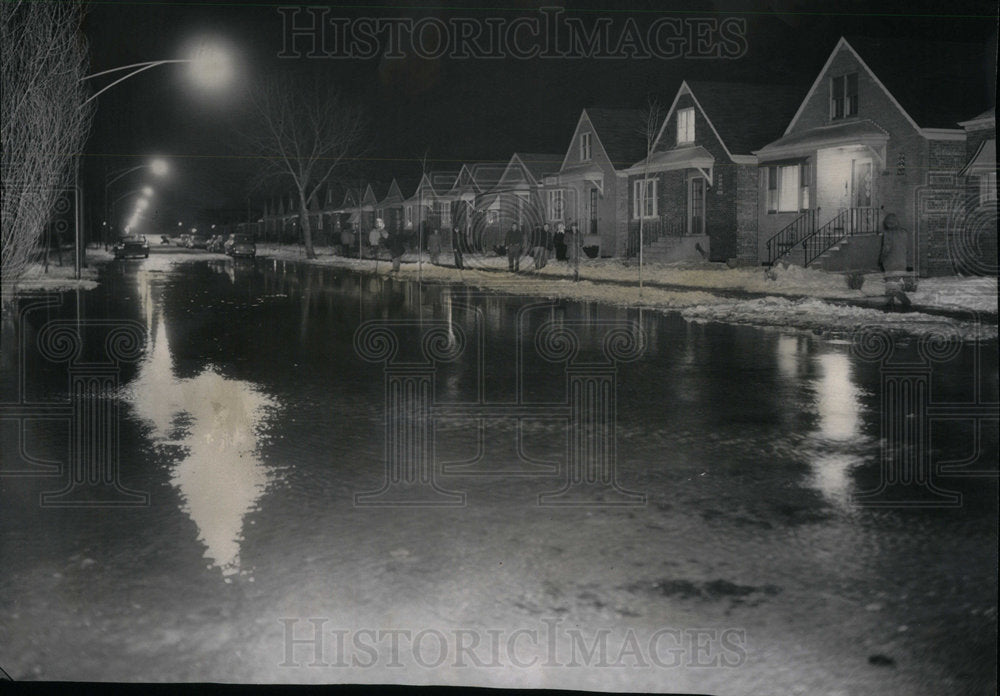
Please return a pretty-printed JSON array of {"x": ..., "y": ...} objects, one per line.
[{"x": 210, "y": 68}]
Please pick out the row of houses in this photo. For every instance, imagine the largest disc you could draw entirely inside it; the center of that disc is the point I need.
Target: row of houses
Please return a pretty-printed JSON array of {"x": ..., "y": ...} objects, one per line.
[{"x": 741, "y": 173}]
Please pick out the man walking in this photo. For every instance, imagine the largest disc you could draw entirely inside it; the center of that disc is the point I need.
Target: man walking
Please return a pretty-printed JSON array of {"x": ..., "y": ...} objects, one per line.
[{"x": 541, "y": 239}]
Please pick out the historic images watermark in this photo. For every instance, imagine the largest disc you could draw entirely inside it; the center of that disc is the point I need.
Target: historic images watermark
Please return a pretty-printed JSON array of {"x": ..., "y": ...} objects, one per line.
[
  {"x": 317, "y": 642},
  {"x": 912, "y": 473},
  {"x": 93, "y": 351},
  {"x": 588, "y": 354},
  {"x": 314, "y": 32}
]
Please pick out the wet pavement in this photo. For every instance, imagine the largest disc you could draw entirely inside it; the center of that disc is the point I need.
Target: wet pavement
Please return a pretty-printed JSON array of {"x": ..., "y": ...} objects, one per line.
[{"x": 251, "y": 421}]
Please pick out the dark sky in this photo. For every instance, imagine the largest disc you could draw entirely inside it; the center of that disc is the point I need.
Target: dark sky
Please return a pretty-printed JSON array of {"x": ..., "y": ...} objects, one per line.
[{"x": 456, "y": 110}]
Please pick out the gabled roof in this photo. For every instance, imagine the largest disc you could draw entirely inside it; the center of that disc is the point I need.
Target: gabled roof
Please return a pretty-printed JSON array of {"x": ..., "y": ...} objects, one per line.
[
  {"x": 743, "y": 116},
  {"x": 486, "y": 175},
  {"x": 442, "y": 182},
  {"x": 620, "y": 132},
  {"x": 933, "y": 83},
  {"x": 407, "y": 186},
  {"x": 538, "y": 165},
  {"x": 746, "y": 116},
  {"x": 938, "y": 83},
  {"x": 393, "y": 195},
  {"x": 985, "y": 119}
]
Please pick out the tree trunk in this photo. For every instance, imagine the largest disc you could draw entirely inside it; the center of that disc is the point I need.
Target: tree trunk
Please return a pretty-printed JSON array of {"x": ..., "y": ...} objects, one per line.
[{"x": 306, "y": 228}]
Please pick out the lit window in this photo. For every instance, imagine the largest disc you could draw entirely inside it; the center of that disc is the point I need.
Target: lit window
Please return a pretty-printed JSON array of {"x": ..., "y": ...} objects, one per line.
[
  {"x": 644, "y": 198},
  {"x": 557, "y": 204},
  {"x": 444, "y": 210},
  {"x": 685, "y": 126},
  {"x": 585, "y": 146},
  {"x": 844, "y": 96},
  {"x": 787, "y": 188}
]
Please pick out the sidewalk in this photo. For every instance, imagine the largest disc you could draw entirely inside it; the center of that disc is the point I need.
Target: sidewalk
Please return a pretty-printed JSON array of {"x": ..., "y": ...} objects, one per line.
[{"x": 795, "y": 297}]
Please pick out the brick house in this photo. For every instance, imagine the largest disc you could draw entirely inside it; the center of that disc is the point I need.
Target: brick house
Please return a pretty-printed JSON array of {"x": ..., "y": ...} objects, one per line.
[
  {"x": 876, "y": 134},
  {"x": 697, "y": 194},
  {"x": 974, "y": 250},
  {"x": 587, "y": 189}
]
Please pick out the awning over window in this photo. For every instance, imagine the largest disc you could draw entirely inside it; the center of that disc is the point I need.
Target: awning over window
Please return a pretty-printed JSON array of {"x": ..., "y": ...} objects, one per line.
[
  {"x": 695, "y": 157},
  {"x": 984, "y": 161},
  {"x": 842, "y": 134}
]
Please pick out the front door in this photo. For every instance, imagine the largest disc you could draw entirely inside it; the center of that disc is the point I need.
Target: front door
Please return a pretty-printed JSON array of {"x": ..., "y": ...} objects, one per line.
[
  {"x": 861, "y": 183},
  {"x": 696, "y": 206}
]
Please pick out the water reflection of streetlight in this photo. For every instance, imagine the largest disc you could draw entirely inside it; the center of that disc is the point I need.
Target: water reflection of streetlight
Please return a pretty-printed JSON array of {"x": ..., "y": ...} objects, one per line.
[
  {"x": 838, "y": 408},
  {"x": 217, "y": 470}
]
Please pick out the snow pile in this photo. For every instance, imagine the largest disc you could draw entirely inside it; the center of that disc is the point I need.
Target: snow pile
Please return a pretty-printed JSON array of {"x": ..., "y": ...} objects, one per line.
[
  {"x": 790, "y": 296},
  {"x": 827, "y": 318}
]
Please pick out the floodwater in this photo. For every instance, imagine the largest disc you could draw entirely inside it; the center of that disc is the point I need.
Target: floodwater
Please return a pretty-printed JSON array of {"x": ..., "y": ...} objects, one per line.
[{"x": 745, "y": 558}]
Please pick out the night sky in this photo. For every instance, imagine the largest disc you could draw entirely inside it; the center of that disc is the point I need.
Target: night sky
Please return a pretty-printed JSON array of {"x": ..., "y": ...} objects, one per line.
[{"x": 453, "y": 110}]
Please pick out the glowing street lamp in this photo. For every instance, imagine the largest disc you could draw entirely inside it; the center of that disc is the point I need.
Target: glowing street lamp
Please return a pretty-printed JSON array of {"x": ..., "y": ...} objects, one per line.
[{"x": 211, "y": 67}]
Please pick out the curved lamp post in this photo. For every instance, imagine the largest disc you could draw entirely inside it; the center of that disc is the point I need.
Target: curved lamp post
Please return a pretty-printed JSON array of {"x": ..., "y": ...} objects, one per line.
[{"x": 210, "y": 68}]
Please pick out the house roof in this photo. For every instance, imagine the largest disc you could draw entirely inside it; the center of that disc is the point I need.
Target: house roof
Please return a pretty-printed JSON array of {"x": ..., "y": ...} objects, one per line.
[
  {"x": 486, "y": 175},
  {"x": 620, "y": 132},
  {"x": 845, "y": 133},
  {"x": 984, "y": 161},
  {"x": 985, "y": 119},
  {"x": 538, "y": 165},
  {"x": 679, "y": 158},
  {"x": 442, "y": 182},
  {"x": 937, "y": 83},
  {"x": 747, "y": 116}
]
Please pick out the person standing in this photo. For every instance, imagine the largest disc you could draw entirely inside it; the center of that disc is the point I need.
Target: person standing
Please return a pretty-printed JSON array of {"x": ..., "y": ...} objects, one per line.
[
  {"x": 458, "y": 246},
  {"x": 559, "y": 242},
  {"x": 542, "y": 238},
  {"x": 434, "y": 245},
  {"x": 892, "y": 259},
  {"x": 514, "y": 241},
  {"x": 396, "y": 244},
  {"x": 573, "y": 241}
]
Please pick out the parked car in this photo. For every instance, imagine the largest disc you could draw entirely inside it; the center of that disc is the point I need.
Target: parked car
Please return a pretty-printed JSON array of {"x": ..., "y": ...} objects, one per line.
[
  {"x": 243, "y": 245},
  {"x": 215, "y": 243},
  {"x": 197, "y": 241},
  {"x": 133, "y": 245},
  {"x": 182, "y": 241}
]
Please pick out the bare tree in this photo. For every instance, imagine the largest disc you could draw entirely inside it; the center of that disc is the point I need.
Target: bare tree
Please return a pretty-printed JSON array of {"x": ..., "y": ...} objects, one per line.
[
  {"x": 305, "y": 132},
  {"x": 43, "y": 119},
  {"x": 649, "y": 124}
]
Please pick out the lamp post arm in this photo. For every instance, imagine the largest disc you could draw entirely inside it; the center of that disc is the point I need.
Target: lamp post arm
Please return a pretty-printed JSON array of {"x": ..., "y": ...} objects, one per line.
[
  {"x": 123, "y": 173},
  {"x": 142, "y": 67},
  {"x": 147, "y": 64}
]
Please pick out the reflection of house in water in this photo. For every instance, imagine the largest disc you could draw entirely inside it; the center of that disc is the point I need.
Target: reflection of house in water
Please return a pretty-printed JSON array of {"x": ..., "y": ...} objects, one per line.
[{"x": 215, "y": 422}]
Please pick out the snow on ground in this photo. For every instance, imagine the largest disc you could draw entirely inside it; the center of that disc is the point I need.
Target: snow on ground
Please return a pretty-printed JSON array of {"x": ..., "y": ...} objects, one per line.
[
  {"x": 792, "y": 297},
  {"x": 60, "y": 278}
]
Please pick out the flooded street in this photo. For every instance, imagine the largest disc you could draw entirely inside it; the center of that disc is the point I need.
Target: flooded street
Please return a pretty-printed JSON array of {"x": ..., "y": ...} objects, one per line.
[{"x": 741, "y": 556}]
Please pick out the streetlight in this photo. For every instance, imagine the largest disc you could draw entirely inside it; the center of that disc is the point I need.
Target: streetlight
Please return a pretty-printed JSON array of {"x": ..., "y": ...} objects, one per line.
[
  {"x": 211, "y": 68},
  {"x": 158, "y": 166},
  {"x": 146, "y": 191}
]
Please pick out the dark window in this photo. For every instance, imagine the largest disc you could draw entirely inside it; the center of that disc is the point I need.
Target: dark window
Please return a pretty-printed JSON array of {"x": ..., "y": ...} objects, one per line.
[
  {"x": 844, "y": 96},
  {"x": 837, "y": 108},
  {"x": 851, "y": 95}
]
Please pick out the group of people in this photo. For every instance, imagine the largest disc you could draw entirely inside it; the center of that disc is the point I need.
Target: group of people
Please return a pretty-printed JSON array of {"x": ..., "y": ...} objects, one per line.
[{"x": 539, "y": 242}]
